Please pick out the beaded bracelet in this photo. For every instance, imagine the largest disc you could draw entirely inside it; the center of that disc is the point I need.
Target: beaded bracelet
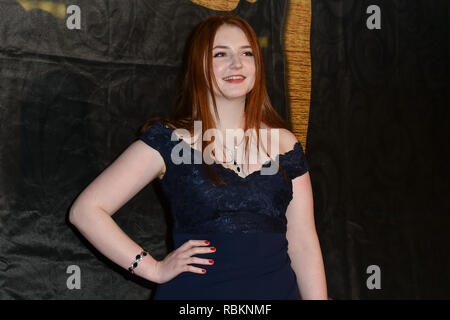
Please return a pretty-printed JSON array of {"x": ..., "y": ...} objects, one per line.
[{"x": 138, "y": 258}]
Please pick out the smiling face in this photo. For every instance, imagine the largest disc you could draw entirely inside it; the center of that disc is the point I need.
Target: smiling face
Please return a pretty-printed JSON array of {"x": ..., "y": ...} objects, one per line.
[{"x": 233, "y": 63}]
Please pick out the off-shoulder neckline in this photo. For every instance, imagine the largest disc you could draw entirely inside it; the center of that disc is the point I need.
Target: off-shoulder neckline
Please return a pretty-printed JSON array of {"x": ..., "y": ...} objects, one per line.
[{"x": 297, "y": 145}]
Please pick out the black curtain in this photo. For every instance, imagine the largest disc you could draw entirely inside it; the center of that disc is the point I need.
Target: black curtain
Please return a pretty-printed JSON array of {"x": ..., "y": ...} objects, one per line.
[
  {"x": 71, "y": 100},
  {"x": 378, "y": 145}
]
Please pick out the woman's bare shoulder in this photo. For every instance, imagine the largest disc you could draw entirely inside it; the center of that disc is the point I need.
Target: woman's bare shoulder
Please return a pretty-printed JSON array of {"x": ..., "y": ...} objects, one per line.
[{"x": 286, "y": 138}]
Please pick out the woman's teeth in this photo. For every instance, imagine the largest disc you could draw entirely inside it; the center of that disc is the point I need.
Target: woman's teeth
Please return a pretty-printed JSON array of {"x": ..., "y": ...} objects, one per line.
[{"x": 233, "y": 78}]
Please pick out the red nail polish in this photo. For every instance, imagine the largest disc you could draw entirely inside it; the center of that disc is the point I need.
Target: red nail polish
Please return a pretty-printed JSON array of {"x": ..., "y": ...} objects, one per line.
[
  {"x": 206, "y": 242},
  {"x": 203, "y": 270},
  {"x": 211, "y": 261},
  {"x": 213, "y": 249}
]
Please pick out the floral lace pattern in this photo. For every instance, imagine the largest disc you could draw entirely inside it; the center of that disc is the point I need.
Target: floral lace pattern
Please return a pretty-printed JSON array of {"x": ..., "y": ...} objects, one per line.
[{"x": 254, "y": 203}]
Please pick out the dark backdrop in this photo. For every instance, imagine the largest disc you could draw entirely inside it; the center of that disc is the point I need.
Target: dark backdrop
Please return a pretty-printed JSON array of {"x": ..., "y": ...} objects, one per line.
[
  {"x": 70, "y": 102},
  {"x": 378, "y": 146}
]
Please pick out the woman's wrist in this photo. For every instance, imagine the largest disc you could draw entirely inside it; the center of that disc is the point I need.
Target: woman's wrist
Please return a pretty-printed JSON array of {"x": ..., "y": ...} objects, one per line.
[
  {"x": 145, "y": 267},
  {"x": 136, "y": 261}
]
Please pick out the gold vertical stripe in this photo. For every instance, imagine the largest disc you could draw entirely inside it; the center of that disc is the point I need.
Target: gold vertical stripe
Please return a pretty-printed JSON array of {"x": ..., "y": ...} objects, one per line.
[{"x": 298, "y": 60}]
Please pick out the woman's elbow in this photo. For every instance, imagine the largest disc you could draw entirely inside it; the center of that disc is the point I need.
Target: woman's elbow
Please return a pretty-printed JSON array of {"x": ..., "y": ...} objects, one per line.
[
  {"x": 76, "y": 213},
  {"x": 81, "y": 213},
  {"x": 73, "y": 212}
]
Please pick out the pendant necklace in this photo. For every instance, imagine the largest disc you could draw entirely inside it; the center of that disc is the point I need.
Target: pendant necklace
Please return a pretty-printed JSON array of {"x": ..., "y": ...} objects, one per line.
[{"x": 233, "y": 153}]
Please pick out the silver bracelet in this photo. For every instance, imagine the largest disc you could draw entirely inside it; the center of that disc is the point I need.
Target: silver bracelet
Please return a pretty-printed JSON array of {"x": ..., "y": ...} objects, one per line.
[{"x": 138, "y": 258}]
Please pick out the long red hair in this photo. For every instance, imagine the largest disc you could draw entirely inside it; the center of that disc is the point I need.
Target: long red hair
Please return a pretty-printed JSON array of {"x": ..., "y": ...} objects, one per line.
[{"x": 192, "y": 96}]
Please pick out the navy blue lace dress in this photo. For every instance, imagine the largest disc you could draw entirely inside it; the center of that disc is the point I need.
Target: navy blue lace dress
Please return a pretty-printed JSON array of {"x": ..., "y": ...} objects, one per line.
[{"x": 245, "y": 220}]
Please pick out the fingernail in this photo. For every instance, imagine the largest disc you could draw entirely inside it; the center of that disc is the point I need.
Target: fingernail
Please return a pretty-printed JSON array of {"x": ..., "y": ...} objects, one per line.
[
  {"x": 203, "y": 270},
  {"x": 211, "y": 261},
  {"x": 213, "y": 249},
  {"x": 206, "y": 242}
]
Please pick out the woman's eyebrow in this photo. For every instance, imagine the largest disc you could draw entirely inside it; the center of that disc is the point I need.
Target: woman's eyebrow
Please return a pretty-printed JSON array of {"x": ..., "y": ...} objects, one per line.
[{"x": 226, "y": 47}]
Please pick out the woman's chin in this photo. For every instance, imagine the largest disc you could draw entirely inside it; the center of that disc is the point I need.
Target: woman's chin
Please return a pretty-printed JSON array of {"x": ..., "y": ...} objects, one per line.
[{"x": 233, "y": 96}]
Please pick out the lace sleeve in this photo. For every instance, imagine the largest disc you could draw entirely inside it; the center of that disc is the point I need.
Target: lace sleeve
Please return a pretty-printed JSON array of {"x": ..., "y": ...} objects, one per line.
[
  {"x": 295, "y": 162},
  {"x": 158, "y": 136}
]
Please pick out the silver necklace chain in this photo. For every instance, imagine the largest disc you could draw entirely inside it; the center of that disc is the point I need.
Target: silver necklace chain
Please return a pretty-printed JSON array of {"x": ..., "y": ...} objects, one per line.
[{"x": 233, "y": 153}]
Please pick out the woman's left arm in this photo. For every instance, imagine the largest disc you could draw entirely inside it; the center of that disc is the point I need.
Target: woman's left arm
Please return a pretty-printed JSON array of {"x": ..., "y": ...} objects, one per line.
[{"x": 304, "y": 247}]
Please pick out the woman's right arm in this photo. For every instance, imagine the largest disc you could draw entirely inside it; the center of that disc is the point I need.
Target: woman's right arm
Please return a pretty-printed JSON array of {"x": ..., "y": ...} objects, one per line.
[{"x": 91, "y": 212}]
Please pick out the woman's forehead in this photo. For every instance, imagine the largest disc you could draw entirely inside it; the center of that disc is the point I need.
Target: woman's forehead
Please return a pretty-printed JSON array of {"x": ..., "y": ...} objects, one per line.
[{"x": 228, "y": 35}]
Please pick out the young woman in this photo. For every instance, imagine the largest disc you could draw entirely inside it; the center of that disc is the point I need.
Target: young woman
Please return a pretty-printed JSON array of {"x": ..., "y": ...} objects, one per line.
[{"x": 243, "y": 209}]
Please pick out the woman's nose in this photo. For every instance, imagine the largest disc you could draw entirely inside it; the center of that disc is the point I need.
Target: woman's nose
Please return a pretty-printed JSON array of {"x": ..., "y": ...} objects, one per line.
[{"x": 236, "y": 61}]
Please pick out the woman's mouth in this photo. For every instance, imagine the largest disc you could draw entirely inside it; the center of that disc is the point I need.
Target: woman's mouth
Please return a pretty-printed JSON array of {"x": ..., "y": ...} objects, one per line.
[{"x": 234, "y": 79}]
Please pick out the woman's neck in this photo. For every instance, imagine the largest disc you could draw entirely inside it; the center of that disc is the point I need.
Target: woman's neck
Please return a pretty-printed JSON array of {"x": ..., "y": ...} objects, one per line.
[{"x": 231, "y": 113}]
